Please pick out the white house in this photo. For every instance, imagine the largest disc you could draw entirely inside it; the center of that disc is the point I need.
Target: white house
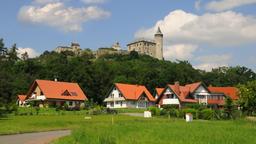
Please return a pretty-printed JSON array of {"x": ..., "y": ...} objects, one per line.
[
  {"x": 194, "y": 93},
  {"x": 129, "y": 96},
  {"x": 180, "y": 95}
]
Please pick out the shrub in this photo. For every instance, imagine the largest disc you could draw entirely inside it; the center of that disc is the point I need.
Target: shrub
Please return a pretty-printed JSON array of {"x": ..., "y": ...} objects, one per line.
[
  {"x": 206, "y": 114},
  {"x": 96, "y": 110},
  {"x": 194, "y": 112},
  {"x": 154, "y": 110},
  {"x": 111, "y": 111},
  {"x": 196, "y": 106}
]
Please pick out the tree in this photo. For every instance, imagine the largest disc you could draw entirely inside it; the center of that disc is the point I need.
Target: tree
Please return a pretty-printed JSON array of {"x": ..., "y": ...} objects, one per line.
[
  {"x": 24, "y": 56},
  {"x": 13, "y": 54},
  {"x": 229, "y": 107},
  {"x": 247, "y": 98},
  {"x": 3, "y": 49}
]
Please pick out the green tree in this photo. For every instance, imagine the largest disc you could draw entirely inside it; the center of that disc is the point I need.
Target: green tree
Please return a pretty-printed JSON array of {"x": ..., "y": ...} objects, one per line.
[
  {"x": 247, "y": 98},
  {"x": 13, "y": 54},
  {"x": 228, "y": 107}
]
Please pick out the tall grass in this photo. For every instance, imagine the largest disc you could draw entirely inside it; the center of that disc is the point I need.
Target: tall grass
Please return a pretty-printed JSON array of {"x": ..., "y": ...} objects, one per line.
[{"x": 130, "y": 130}]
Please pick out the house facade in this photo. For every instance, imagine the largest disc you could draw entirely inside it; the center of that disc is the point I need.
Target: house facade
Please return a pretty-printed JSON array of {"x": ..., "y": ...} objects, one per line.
[
  {"x": 21, "y": 100},
  {"x": 195, "y": 93},
  {"x": 53, "y": 93},
  {"x": 129, "y": 96}
]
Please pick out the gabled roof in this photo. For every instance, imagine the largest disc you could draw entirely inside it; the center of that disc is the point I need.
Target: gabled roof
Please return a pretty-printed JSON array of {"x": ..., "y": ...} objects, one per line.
[
  {"x": 159, "y": 91},
  {"x": 56, "y": 90},
  {"x": 133, "y": 92},
  {"x": 182, "y": 92},
  {"x": 192, "y": 87},
  {"x": 232, "y": 92},
  {"x": 22, "y": 98}
]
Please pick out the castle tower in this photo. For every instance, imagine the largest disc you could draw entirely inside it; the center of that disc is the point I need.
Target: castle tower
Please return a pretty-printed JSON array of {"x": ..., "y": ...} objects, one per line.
[{"x": 159, "y": 44}]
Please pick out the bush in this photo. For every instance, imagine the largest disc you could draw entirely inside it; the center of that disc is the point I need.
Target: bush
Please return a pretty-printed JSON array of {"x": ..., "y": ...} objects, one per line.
[
  {"x": 206, "y": 114},
  {"x": 111, "y": 111},
  {"x": 194, "y": 112},
  {"x": 163, "y": 112},
  {"x": 154, "y": 110},
  {"x": 196, "y": 106},
  {"x": 96, "y": 110}
]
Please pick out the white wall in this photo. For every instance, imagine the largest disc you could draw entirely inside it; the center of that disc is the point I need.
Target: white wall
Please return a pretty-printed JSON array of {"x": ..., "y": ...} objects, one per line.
[
  {"x": 117, "y": 99},
  {"x": 203, "y": 94},
  {"x": 173, "y": 100}
]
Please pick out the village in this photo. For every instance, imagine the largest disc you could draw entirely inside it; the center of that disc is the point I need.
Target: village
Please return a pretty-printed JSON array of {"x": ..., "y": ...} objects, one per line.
[{"x": 128, "y": 72}]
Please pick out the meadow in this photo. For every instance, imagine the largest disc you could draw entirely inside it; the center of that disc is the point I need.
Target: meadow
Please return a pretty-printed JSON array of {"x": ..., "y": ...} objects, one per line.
[
  {"x": 121, "y": 129},
  {"x": 134, "y": 130}
]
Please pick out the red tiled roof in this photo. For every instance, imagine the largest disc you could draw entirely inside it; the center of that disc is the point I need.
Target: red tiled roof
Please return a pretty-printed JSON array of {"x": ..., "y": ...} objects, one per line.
[
  {"x": 183, "y": 91},
  {"x": 232, "y": 92},
  {"x": 55, "y": 90},
  {"x": 133, "y": 92},
  {"x": 159, "y": 91},
  {"x": 22, "y": 98},
  {"x": 192, "y": 87},
  {"x": 212, "y": 101}
]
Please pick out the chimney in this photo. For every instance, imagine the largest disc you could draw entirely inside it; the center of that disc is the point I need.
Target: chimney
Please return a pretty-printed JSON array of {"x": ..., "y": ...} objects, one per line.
[{"x": 55, "y": 79}]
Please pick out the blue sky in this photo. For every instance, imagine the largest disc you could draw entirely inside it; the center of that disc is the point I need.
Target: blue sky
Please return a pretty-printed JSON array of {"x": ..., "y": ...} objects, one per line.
[{"x": 208, "y": 33}]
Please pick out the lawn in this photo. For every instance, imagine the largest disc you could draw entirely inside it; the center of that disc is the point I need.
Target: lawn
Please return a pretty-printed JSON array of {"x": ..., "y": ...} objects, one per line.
[
  {"x": 34, "y": 123},
  {"x": 134, "y": 130}
]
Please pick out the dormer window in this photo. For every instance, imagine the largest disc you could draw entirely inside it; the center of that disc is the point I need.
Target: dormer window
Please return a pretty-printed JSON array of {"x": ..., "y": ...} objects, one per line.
[{"x": 66, "y": 93}]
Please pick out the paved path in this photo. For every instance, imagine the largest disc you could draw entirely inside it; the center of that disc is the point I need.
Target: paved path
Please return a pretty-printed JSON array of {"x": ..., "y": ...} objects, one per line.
[
  {"x": 33, "y": 138},
  {"x": 134, "y": 114}
]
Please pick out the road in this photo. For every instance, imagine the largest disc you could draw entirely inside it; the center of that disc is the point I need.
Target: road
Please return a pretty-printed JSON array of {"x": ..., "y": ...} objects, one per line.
[{"x": 33, "y": 138}]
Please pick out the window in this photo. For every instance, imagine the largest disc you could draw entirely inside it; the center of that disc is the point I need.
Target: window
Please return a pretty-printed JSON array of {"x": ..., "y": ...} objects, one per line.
[
  {"x": 73, "y": 93},
  {"x": 170, "y": 96},
  {"x": 121, "y": 103},
  {"x": 117, "y": 102},
  {"x": 66, "y": 93},
  {"x": 120, "y": 95},
  {"x": 70, "y": 103}
]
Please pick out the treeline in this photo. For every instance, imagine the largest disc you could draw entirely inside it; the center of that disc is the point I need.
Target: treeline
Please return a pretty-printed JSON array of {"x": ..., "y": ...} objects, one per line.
[{"x": 96, "y": 76}]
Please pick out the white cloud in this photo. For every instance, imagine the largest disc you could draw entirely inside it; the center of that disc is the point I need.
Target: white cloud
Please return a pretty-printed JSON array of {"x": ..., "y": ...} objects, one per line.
[
  {"x": 179, "y": 51},
  {"x": 223, "y": 5},
  {"x": 198, "y": 5},
  {"x": 94, "y": 1},
  {"x": 59, "y": 16},
  {"x": 45, "y": 1},
  {"x": 209, "y": 62},
  {"x": 218, "y": 29},
  {"x": 31, "y": 52}
]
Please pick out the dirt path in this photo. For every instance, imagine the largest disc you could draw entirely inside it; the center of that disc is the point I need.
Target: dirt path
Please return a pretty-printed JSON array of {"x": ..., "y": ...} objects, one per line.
[
  {"x": 134, "y": 114},
  {"x": 33, "y": 138}
]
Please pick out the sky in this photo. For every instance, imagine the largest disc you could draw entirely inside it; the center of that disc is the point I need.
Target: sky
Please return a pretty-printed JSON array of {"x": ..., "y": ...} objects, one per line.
[{"x": 207, "y": 33}]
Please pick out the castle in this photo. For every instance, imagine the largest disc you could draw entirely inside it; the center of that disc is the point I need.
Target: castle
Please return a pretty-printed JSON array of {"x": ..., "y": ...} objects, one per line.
[
  {"x": 75, "y": 48},
  {"x": 152, "y": 48}
]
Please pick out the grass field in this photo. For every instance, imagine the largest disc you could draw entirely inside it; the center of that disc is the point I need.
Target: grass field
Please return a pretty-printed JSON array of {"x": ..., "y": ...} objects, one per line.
[
  {"x": 134, "y": 130},
  {"x": 130, "y": 130},
  {"x": 21, "y": 124}
]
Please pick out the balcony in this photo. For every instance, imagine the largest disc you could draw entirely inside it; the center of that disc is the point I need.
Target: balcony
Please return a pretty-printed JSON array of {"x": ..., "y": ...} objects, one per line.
[
  {"x": 171, "y": 101},
  {"x": 37, "y": 98},
  {"x": 109, "y": 99}
]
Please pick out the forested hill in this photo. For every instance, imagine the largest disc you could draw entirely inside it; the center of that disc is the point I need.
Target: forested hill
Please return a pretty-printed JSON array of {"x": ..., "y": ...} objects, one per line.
[{"x": 96, "y": 76}]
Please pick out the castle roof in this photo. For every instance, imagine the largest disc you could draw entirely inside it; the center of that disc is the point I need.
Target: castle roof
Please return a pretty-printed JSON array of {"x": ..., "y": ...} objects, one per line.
[
  {"x": 141, "y": 40},
  {"x": 159, "y": 32}
]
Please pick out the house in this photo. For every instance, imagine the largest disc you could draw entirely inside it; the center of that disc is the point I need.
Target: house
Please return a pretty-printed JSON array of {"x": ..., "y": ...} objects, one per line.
[
  {"x": 195, "y": 93},
  {"x": 158, "y": 92},
  {"x": 129, "y": 96},
  {"x": 232, "y": 92},
  {"x": 55, "y": 93},
  {"x": 21, "y": 100}
]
